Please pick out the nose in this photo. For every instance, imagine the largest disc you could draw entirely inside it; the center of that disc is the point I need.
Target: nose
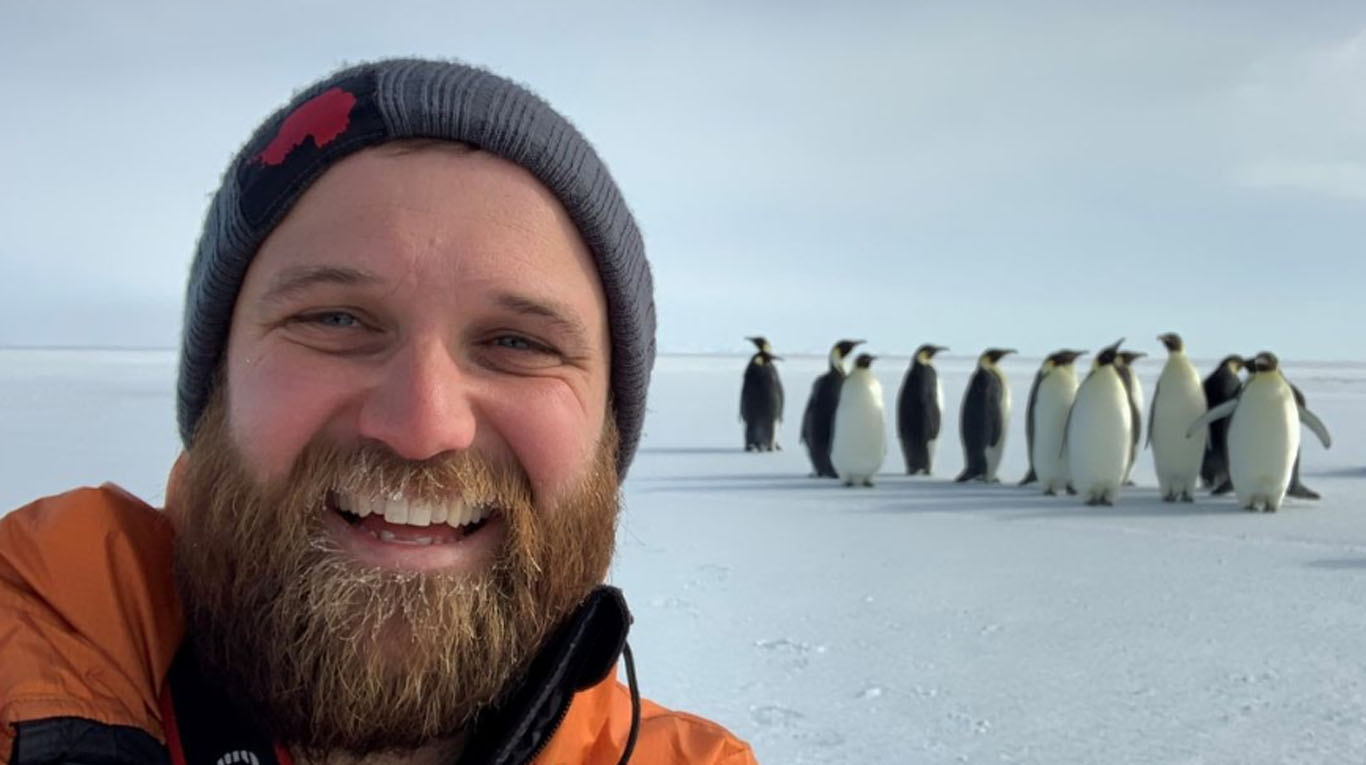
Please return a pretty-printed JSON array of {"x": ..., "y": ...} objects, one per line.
[{"x": 421, "y": 406}]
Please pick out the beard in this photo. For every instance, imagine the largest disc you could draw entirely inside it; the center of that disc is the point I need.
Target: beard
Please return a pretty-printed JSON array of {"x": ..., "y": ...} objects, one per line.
[{"x": 332, "y": 655}]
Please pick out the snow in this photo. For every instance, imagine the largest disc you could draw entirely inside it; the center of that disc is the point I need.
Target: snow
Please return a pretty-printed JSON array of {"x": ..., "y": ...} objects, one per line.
[{"x": 917, "y": 621}]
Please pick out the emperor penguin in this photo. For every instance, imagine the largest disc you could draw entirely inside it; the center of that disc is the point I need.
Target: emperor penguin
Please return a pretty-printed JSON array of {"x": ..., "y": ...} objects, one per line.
[
  {"x": 1099, "y": 431},
  {"x": 860, "y": 441},
  {"x": 1263, "y": 435},
  {"x": 761, "y": 399},
  {"x": 1296, "y": 488},
  {"x": 1050, "y": 399},
  {"x": 1125, "y": 365},
  {"x": 1177, "y": 401},
  {"x": 1221, "y": 385},
  {"x": 818, "y": 421},
  {"x": 985, "y": 418},
  {"x": 919, "y": 407}
]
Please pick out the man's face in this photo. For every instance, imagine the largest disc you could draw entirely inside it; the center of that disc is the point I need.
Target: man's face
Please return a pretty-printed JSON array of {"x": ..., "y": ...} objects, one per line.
[
  {"x": 432, "y": 301},
  {"x": 424, "y": 331}
]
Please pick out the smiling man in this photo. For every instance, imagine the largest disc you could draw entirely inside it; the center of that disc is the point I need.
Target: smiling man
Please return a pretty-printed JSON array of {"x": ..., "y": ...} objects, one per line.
[{"x": 418, "y": 336}]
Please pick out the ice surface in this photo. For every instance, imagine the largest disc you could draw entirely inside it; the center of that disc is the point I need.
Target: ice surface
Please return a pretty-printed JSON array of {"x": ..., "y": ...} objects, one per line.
[{"x": 918, "y": 621}]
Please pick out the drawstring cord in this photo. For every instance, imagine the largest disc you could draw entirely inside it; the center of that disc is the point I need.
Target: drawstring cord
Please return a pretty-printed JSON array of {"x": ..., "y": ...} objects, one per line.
[{"x": 635, "y": 705}]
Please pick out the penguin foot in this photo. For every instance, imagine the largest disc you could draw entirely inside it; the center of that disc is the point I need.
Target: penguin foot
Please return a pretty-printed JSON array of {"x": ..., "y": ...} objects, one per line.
[
  {"x": 868, "y": 483},
  {"x": 1129, "y": 483},
  {"x": 1071, "y": 490},
  {"x": 849, "y": 484},
  {"x": 1050, "y": 493},
  {"x": 1301, "y": 491},
  {"x": 1169, "y": 498},
  {"x": 1223, "y": 488},
  {"x": 1187, "y": 497}
]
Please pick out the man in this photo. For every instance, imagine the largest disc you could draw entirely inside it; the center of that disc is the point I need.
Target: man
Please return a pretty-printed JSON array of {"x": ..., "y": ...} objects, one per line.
[{"x": 418, "y": 334}]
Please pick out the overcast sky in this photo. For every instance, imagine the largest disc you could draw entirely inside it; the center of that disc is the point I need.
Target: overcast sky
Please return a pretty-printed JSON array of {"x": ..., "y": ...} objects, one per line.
[{"x": 1036, "y": 175}]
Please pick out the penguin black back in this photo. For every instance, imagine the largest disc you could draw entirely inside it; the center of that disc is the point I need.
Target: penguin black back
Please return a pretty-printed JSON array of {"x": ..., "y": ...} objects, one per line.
[
  {"x": 918, "y": 411},
  {"x": 983, "y": 420},
  {"x": 761, "y": 399},
  {"x": 1221, "y": 385}
]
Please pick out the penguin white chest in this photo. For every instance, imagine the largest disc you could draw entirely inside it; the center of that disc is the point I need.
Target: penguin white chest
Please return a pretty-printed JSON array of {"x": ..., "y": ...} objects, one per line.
[
  {"x": 860, "y": 442},
  {"x": 1179, "y": 401},
  {"x": 1052, "y": 402},
  {"x": 1263, "y": 439},
  {"x": 1098, "y": 435},
  {"x": 995, "y": 451}
]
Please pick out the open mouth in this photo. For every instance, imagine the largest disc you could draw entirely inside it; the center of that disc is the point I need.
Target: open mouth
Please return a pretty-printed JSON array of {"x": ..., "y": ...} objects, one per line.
[{"x": 402, "y": 522}]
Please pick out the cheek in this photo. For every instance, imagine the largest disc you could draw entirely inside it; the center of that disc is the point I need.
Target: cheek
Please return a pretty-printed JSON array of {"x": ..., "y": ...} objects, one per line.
[
  {"x": 276, "y": 405},
  {"x": 552, "y": 434}
]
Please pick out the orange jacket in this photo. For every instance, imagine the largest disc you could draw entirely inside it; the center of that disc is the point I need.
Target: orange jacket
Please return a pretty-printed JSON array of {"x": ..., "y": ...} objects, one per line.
[{"x": 89, "y": 624}]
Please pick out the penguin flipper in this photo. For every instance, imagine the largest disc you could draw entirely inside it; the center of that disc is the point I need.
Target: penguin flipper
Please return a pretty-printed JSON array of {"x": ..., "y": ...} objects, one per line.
[
  {"x": 1213, "y": 415},
  {"x": 1315, "y": 424}
]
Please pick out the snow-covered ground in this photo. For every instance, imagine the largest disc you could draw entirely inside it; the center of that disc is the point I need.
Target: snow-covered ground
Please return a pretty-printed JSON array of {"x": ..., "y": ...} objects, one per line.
[{"x": 918, "y": 621}]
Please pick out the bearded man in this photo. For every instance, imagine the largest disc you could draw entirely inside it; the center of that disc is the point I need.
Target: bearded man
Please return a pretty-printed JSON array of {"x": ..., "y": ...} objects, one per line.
[{"x": 418, "y": 335}]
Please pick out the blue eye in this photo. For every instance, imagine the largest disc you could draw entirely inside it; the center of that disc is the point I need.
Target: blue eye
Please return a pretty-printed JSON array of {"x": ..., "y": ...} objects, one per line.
[
  {"x": 338, "y": 319},
  {"x": 515, "y": 342}
]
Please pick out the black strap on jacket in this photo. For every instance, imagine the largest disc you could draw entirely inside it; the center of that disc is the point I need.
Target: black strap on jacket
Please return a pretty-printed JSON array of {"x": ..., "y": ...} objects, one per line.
[{"x": 578, "y": 656}]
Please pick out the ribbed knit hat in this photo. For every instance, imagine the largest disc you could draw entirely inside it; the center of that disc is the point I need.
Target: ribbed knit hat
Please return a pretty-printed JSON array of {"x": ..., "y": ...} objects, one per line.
[{"x": 394, "y": 99}]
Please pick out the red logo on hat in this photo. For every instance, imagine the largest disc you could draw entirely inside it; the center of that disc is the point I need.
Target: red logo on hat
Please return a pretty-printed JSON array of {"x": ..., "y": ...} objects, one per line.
[{"x": 324, "y": 117}]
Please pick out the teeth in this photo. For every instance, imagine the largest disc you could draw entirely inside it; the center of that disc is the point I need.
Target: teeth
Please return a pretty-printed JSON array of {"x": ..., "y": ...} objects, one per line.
[
  {"x": 386, "y": 536},
  {"x": 456, "y": 516},
  {"x": 396, "y": 511},
  {"x": 418, "y": 515}
]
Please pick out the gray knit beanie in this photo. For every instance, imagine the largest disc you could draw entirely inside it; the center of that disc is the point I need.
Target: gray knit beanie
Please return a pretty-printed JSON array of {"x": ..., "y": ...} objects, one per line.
[{"x": 393, "y": 99}]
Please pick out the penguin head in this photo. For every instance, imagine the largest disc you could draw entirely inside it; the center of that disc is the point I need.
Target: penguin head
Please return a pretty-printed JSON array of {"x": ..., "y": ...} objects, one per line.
[
  {"x": 991, "y": 356},
  {"x": 1234, "y": 363},
  {"x": 1108, "y": 355},
  {"x": 761, "y": 343},
  {"x": 1172, "y": 342},
  {"x": 843, "y": 347},
  {"x": 1265, "y": 361},
  {"x": 1127, "y": 358},
  {"x": 924, "y": 353},
  {"x": 1063, "y": 358},
  {"x": 864, "y": 361}
]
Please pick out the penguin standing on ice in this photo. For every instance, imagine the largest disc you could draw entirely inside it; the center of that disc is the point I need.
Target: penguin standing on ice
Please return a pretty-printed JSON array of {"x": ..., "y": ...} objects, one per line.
[
  {"x": 761, "y": 399},
  {"x": 1177, "y": 401},
  {"x": 1221, "y": 385},
  {"x": 985, "y": 418},
  {"x": 860, "y": 440},
  {"x": 1050, "y": 399},
  {"x": 1125, "y": 365},
  {"x": 1099, "y": 431},
  {"x": 818, "y": 421},
  {"x": 1263, "y": 435},
  {"x": 919, "y": 407}
]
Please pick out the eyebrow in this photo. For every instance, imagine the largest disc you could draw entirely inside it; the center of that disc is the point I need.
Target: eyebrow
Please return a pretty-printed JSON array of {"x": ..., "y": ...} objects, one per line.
[
  {"x": 292, "y": 281},
  {"x": 562, "y": 319}
]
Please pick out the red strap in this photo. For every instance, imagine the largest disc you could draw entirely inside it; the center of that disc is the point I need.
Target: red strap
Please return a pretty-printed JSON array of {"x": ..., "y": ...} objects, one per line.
[{"x": 171, "y": 728}]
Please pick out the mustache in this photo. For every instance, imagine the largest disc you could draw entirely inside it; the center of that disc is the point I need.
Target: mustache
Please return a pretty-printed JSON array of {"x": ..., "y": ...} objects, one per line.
[{"x": 371, "y": 471}]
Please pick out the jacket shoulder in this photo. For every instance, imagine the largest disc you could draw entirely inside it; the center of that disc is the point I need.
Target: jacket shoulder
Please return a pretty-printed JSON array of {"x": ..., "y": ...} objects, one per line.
[
  {"x": 599, "y": 722},
  {"x": 89, "y": 619}
]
